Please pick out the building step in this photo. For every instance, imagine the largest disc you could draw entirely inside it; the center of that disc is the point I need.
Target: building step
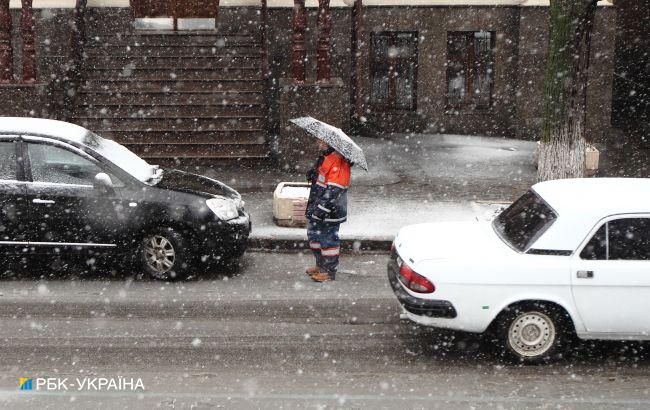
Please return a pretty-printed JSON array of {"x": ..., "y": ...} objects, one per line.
[
  {"x": 140, "y": 100},
  {"x": 223, "y": 74},
  {"x": 167, "y": 51},
  {"x": 203, "y": 151},
  {"x": 204, "y": 40},
  {"x": 222, "y": 30},
  {"x": 195, "y": 96},
  {"x": 167, "y": 85},
  {"x": 178, "y": 111},
  {"x": 226, "y": 136},
  {"x": 171, "y": 124},
  {"x": 172, "y": 63}
]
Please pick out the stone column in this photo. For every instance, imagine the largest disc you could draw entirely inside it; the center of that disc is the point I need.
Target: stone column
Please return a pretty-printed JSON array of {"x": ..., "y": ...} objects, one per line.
[
  {"x": 78, "y": 37},
  {"x": 324, "y": 71},
  {"x": 299, "y": 50},
  {"x": 6, "y": 50},
  {"x": 29, "y": 50},
  {"x": 265, "y": 44},
  {"x": 356, "y": 46}
]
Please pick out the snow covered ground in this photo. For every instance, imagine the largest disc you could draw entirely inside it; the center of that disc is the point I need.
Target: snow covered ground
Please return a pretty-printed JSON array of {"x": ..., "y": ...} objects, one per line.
[
  {"x": 369, "y": 219},
  {"x": 426, "y": 159},
  {"x": 414, "y": 179}
]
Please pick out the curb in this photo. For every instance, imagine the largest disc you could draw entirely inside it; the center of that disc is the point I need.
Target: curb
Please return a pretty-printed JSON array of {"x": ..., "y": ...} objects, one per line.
[{"x": 299, "y": 245}]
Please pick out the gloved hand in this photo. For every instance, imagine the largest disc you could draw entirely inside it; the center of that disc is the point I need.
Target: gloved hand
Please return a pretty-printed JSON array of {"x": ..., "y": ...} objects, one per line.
[
  {"x": 321, "y": 213},
  {"x": 312, "y": 174}
]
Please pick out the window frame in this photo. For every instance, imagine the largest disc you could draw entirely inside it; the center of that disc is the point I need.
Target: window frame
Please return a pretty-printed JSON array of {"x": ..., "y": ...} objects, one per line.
[
  {"x": 19, "y": 163},
  {"x": 27, "y": 162},
  {"x": 538, "y": 234},
  {"x": 596, "y": 228},
  {"x": 391, "y": 63},
  {"x": 469, "y": 64}
]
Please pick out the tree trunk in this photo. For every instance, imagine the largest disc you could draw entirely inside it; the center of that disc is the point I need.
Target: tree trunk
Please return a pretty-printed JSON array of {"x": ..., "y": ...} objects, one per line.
[{"x": 563, "y": 142}]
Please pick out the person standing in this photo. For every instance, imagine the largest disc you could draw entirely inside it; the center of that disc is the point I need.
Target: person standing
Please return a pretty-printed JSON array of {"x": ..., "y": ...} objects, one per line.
[{"x": 327, "y": 210}]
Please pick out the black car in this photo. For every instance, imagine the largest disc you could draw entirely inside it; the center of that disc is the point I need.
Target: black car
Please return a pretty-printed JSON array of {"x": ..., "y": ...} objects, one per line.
[{"x": 65, "y": 190}]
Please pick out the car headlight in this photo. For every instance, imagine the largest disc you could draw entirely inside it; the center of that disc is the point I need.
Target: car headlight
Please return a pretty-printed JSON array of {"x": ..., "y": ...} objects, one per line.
[{"x": 225, "y": 209}]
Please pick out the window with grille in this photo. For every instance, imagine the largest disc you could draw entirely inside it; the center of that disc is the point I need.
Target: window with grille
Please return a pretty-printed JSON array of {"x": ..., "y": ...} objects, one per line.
[
  {"x": 394, "y": 70},
  {"x": 470, "y": 69}
]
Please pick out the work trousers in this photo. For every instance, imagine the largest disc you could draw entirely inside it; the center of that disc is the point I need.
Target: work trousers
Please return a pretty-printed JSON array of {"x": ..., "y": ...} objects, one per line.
[{"x": 325, "y": 244}]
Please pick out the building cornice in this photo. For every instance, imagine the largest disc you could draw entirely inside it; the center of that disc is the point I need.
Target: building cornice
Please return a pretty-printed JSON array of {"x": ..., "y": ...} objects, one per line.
[{"x": 44, "y": 4}]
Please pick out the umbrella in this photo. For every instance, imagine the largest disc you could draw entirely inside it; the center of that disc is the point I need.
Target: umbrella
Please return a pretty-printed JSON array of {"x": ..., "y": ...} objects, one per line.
[{"x": 335, "y": 138}]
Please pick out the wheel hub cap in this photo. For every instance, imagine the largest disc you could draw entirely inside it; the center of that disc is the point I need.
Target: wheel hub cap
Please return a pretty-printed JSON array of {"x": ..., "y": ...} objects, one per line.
[
  {"x": 532, "y": 334},
  {"x": 159, "y": 253}
]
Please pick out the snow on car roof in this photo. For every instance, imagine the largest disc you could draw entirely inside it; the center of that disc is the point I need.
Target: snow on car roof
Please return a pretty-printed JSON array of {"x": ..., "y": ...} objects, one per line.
[
  {"x": 581, "y": 203},
  {"x": 43, "y": 127},
  {"x": 597, "y": 196}
]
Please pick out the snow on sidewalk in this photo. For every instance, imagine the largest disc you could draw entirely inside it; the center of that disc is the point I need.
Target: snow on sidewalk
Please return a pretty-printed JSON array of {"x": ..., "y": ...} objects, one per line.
[
  {"x": 368, "y": 221},
  {"x": 412, "y": 178},
  {"x": 416, "y": 179}
]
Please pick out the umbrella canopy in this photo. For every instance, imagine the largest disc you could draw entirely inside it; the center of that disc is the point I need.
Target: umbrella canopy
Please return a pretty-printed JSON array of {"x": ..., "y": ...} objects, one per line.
[{"x": 335, "y": 138}]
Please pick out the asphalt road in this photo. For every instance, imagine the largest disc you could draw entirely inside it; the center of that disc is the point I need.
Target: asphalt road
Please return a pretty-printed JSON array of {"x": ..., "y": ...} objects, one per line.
[{"x": 263, "y": 336}]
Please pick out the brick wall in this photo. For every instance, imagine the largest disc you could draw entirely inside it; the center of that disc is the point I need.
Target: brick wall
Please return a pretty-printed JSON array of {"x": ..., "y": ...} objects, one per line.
[{"x": 43, "y": 99}]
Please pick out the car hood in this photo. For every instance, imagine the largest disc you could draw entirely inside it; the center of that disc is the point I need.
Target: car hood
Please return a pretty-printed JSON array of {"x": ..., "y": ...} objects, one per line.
[
  {"x": 195, "y": 184},
  {"x": 448, "y": 240}
]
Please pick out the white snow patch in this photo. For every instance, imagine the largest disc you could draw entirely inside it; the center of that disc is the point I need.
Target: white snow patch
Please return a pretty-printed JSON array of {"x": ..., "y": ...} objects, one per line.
[{"x": 42, "y": 290}]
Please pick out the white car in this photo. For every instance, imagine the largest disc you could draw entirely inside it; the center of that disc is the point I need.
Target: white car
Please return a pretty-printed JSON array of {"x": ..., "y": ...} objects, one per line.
[{"x": 569, "y": 258}]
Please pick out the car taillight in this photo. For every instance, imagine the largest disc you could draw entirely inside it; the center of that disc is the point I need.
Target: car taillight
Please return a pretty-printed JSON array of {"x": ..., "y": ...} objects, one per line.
[{"x": 415, "y": 281}]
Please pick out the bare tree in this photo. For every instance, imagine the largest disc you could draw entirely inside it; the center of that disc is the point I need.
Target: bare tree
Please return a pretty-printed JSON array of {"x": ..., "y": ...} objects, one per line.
[{"x": 562, "y": 150}]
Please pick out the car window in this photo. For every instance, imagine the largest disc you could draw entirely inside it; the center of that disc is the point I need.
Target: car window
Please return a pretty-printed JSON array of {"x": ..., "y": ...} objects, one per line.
[
  {"x": 620, "y": 239},
  {"x": 596, "y": 248},
  {"x": 54, "y": 164},
  {"x": 629, "y": 239},
  {"x": 524, "y": 221},
  {"x": 8, "y": 160}
]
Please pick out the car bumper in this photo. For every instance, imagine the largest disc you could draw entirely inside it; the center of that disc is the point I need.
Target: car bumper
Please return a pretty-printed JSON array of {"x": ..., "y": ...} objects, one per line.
[
  {"x": 414, "y": 306},
  {"x": 429, "y": 308},
  {"x": 434, "y": 313},
  {"x": 228, "y": 238}
]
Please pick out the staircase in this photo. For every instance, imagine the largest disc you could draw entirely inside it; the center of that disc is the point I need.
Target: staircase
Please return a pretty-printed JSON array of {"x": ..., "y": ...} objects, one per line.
[{"x": 187, "y": 96}]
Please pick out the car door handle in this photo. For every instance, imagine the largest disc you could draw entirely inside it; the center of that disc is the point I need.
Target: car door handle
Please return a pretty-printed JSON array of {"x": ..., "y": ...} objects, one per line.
[
  {"x": 43, "y": 201},
  {"x": 585, "y": 274}
]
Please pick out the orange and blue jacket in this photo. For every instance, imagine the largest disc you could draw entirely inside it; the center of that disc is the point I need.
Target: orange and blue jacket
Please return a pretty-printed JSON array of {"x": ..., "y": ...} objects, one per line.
[{"x": 328, "y": 197}]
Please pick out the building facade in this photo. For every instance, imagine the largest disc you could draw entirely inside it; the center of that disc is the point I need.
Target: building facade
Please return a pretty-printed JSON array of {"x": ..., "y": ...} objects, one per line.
[{"x": 218, "y": 80}]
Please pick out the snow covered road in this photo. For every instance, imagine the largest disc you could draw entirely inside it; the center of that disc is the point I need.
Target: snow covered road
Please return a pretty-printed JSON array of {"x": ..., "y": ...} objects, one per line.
[{"x": 264, "y": 336}]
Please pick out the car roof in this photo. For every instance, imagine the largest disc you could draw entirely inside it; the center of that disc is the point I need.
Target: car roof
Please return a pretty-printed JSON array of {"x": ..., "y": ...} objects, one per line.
[
  {"x": 43, "y": 127},
  {"x": 582, "y": 202},
  {"x": 604, "y": 196}
]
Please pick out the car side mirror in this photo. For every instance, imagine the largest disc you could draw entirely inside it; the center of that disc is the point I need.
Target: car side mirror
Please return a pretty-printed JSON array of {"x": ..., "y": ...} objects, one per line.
[{"x": 103, "y": 182}]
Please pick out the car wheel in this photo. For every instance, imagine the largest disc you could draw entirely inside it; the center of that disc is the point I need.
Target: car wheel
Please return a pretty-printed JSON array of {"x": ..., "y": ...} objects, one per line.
[
  {"x": 533, "y": 334},
  {"x": 163, "y": 255}
]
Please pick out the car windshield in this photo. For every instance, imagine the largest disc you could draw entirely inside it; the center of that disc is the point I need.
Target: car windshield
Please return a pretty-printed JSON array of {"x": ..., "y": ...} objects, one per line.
[
  {"x": 524, "y": 221},
  {"x": 123, "y": 158}
]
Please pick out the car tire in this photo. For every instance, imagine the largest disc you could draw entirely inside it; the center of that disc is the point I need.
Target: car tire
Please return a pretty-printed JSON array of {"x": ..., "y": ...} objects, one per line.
[
  {"x": 534, "y": 333},
  {"x": 164, "y": 256}
]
